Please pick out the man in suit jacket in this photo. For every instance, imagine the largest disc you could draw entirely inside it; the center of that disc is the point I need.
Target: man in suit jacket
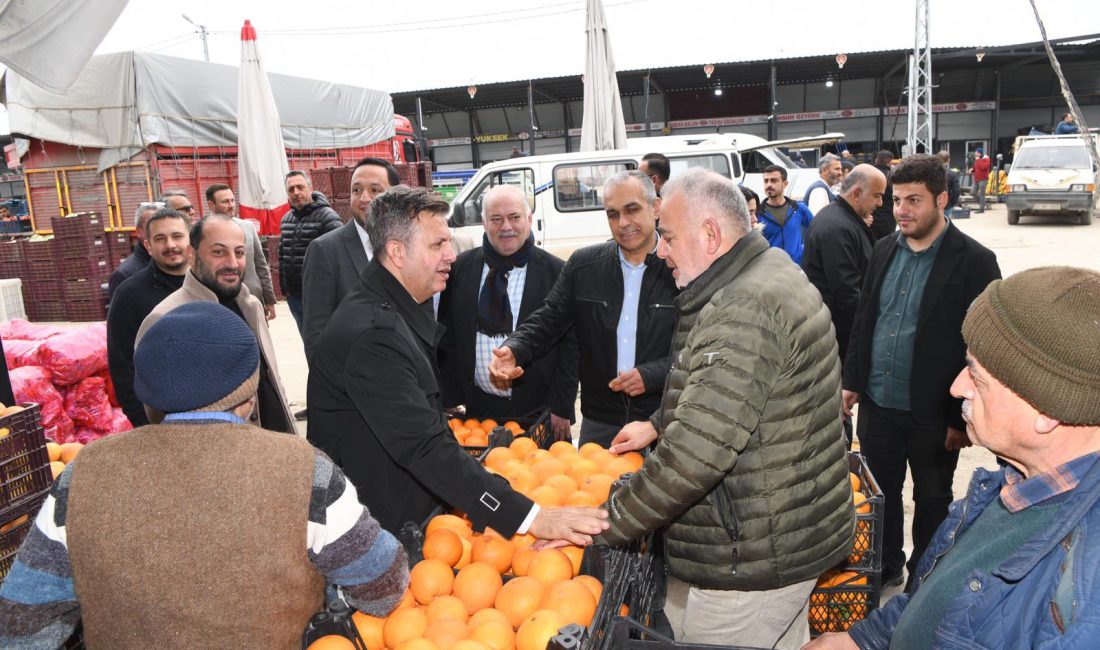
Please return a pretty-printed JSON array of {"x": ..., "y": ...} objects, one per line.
[
  {"x": 906, "y": 349},
  {"x": 335, "y": 260},
  {"x": 492, "y": 289}
]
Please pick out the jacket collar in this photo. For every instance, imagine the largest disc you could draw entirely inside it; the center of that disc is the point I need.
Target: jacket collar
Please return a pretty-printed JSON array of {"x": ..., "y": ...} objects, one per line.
[
  {"x": 160, "y": 278},
  {"x": 850, "y": 212},
  {"x": 384, "y": 285},
  {"x": 721, "y": 272}
]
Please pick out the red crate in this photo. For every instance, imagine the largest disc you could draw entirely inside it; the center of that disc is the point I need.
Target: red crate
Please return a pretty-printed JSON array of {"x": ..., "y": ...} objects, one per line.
[
  {"x": 322, "y": 181},
  {"x": 13, "y": 269},
  {"x": 92, "y": 244},
  {"x": 38, "y": 251},
  {"x": 341, "y": 182},
  {"x": 46, "y": 311},
  {"x": 43, "y": 271},
  {"x": 118, "y": 243},
  {"x": 343, "y": 208},
  {"x": 79, "y": 290},
  {"x": 11, "y": 250},
  {"x": 76, "y": 225},
  {"x": 52, "y": 291},
  {"x": 95, "y": 267},
  {"x": 84, "y": 311}
]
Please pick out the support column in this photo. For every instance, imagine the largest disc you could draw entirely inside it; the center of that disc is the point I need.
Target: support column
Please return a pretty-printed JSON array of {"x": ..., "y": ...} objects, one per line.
[
  {"x": 773, "y": 90},
  {"x": 474, "y": 153}
]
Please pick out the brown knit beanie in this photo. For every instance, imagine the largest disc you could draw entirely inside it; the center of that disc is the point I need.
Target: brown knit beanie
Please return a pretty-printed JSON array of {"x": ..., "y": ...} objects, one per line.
[{"x": 1038, "y": 332}]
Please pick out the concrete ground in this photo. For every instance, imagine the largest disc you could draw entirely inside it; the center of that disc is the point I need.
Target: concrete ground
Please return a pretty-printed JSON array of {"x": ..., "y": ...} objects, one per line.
[{"x": 1035, "y": 242}]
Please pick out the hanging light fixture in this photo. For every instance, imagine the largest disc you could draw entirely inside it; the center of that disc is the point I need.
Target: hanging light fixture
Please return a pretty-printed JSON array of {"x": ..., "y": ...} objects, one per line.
[
  {"x": 718, "y": 92},
  {"x": 709, "y": 69},
  {"x": 828, "y": 82},
  {"x": 472, "y": 90},
  {"x": 841, "y": 59},
  {"x": 980, "y": 54}
]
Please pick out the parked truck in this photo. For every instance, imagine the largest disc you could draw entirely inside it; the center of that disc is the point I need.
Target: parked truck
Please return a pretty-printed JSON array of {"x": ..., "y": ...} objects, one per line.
[{"x": 1053, "y": 175}]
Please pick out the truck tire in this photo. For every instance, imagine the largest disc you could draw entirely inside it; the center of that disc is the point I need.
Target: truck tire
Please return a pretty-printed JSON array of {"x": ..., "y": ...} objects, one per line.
[
  {"x": 1013, "y": 217},
  {"x": 1086, "y": 218}
]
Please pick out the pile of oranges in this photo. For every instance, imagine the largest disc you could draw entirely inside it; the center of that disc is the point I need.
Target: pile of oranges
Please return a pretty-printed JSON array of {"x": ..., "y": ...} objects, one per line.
[
  {"x": 475, "y": 433},
  {"x": 458, "y": 598},
  {"x": 862, "y": 542},
  {"x": 61, "y": 455}
]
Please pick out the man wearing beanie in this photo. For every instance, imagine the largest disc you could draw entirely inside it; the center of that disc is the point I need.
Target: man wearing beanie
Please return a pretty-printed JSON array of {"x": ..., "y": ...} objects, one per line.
[
  {"x": 217, "y": 276},
  {"x": 202, "y": 531},
  {"x": 905, "y": 349},
  {"x": 1016, "y": 563}
]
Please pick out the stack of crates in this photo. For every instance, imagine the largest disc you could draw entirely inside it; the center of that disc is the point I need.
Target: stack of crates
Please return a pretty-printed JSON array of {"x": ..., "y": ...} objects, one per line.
[
  {"x": 83, "y": 258},
  {"x": 13, "y": 266},
  {"x": 25, "y": 479},
  {"x": 43, "y": 282},
  {"x": 340, "y": 184},
  {"x": 119, "y": 248},
  {"x": 271, "y": 252}
]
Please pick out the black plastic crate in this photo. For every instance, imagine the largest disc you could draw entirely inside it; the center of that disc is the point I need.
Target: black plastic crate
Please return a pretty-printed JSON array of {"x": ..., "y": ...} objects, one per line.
[
  {"x": 536, "y": 425},
  {"x": 866, "y": 553},
  {"x": 336, "y": 620},
  {"x": 838, "y": 607},
  {"x": 15, "y": 523},
  {"x": 24, "y": 463}
]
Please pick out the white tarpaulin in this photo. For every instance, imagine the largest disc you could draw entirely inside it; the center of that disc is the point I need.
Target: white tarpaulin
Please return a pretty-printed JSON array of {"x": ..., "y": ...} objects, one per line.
[
  {"x": 602, "y": 125},
  {"x": 261, "y": 153},
  {"x": 49, "y": 41},
  {"x": 126, "y": 101}
]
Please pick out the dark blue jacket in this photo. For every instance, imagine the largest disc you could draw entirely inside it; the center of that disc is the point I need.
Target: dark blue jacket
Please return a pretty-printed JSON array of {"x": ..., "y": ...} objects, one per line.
[
  {"x": 789, "y": 235},
  {"x": 1014, "y": 606}
]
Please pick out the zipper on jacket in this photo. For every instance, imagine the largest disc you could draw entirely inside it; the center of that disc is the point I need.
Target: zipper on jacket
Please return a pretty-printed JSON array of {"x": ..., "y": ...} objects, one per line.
[
  {"x": 593, "y": 300},
  {"x": 724, "y": 505},
  {"x": 658, "y": 305}
]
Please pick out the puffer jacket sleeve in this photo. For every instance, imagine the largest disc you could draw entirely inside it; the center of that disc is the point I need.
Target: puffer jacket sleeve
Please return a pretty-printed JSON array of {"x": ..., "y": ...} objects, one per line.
[
  {"x": 330, "y": 220},
  {"x": 733, "y": 359}
]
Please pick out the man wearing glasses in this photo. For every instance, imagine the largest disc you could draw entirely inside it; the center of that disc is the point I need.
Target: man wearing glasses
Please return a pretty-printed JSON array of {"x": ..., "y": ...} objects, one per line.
[{"x": 178, "y": 201}]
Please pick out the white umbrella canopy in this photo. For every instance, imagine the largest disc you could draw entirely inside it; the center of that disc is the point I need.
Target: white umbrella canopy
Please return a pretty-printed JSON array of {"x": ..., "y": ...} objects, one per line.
[
  {"x": 262, "y": 166},
  {"x": 602, "y": 125}
]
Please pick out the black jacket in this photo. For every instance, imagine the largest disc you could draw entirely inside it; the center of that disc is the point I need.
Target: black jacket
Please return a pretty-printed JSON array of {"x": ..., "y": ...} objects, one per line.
[
  {"x": 136, "y": 261},
  {"x": 134, "y": 300},
  {"x": 549, "y": 381},
  {"x": 589, "y": 296},
  {"x": 962, "y": 269},
  {"x": 838, "y": 249},
  {"x": 376, "y": 409},
  {"x": 332, "y": 267},
  {"x": 884, "y": 222},
  {"x": 297, "y": 229}
]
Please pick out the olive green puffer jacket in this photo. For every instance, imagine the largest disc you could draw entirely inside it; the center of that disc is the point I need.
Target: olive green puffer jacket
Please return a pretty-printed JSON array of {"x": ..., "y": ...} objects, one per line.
[{"x": 749, "y": 474}]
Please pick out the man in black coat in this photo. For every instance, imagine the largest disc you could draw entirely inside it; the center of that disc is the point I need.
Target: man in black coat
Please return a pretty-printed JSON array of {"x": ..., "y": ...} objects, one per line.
[
  {"x": 884, "y": 223},
  {"x": 619, "y": 297},
  {"x": 374, "y": 399},
  {"x": 335, "y": 260},
  {"x": 139, "y": 257},
  {"x": 167, "y": 238},
  {"x": 309, "y": 217},
  {"x": 905, "y": 350},
  {"x": 492, "y": 290}
]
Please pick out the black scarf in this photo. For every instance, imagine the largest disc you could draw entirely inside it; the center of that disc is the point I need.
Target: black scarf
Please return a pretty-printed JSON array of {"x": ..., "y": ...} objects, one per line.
[{"x": 494, "y": 311}]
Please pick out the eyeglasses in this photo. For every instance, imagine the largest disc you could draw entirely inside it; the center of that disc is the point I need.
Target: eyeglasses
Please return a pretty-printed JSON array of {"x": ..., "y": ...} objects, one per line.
[{"x": 187, "y": 208}]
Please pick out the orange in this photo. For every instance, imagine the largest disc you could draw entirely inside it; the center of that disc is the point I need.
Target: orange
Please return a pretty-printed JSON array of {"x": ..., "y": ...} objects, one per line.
[
  {"x": 498, "y": 457},
  {"x": 476, "y": 441},
  {"x": 430, "y": 578},
  {"x": 455, "y": 524},
  {"x": 636, "y": 460},
  {"x": 572, "y": 600},
  {"x": 498, "y": 635},
  {"x": 407, "y": 600},
  {"x": 446, "y": 607},
  {"x": 53, "y": 450},
  {"x": 477, "y": 585},
  {"x": 331, "y": 642},
  {"x": 598, "y": 485},
  {"x": 854, "y": 478},
  {"x": 547, "y": 467},
  {"x": 601, "y": 458},
  {"x": 521, "y": 479},
  {"x": 522, "y": 446},
  {"x": 581, "y": 469},
  {"x": 444, "y": 545},
  {"x": 404, "y": 624},
  {"x": 69, "y": 450},
  {"x": 574, "y": 553},
  {"x": 514, "y": 427},
  {"x": 488, "y": 424},
  {"x": 521, "y": 560},
  {"x": 562, "y": 448},
  {"x": 524, "y": 540},
  {"x": 538, "y": 629},
  {"x": 589, "y": 448},
  {"x": 592, "y": 584},
  {"x": 519, "y": 598},
  {"x": 470, "y": 644},
  {"x": 546, "y": 496},
  {"x": 860, "y": 502},
  {"x": 563, "y": 484},
  {"x": 445, "y": 632},
  {"x": 488, "y": 614},
  {"x": 618, "y": 466},
  {"x": 472, "y": 423},
  {"x": 494, "y": 551},
  {"x": 549, "y": 566},
  {"x": 370, "y": 629},
  {"x": 419, "y": 643},
  {"x": 454, "y": 423},
  {"x": 584, "y": 499},
  {"x": 467, "y": 553},
  {"x": 56, "y": 467},
  {"x": 536, "y": 455}
]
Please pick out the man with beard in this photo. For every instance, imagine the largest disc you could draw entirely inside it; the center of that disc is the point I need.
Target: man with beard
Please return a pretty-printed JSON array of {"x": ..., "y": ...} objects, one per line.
[
  {"x": 491, "y": 291},
  {"x": 166, "y": 241},
  {"x": 784, "y": 218},
  {"x": 335, "y": 260},
  {"x": 309, "y": 217},
  {"x": 820, "y": 194},
  {"x": 883, "y": 223},
  {"x": 216, "y": 276},
  {"x": 905, "y": 350},
  {"x": 257, "y": 275}
]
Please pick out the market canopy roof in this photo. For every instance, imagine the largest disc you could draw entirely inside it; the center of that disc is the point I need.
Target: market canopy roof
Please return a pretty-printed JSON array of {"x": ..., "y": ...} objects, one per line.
[{"x": 124, "y": 102}]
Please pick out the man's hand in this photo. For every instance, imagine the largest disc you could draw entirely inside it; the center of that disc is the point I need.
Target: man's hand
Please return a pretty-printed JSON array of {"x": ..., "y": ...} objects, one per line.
[
  {"x": 832, "y": 641},
  {"x": 503, "y": 368},
  {"x": 574, "y": 525},
  {"x": 561, "y": 427},
  {"x": 851, "y": 398},
  {"x": 634, "y": 436},
  {"x": 956, "y": 440},
  {"x": 629, "y": 382},
  {"x": 269, "y": 312}
]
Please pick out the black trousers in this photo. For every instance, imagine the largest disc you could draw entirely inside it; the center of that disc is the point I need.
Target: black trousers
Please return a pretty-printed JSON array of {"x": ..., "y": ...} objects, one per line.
[{"x": 890, "y": 439}]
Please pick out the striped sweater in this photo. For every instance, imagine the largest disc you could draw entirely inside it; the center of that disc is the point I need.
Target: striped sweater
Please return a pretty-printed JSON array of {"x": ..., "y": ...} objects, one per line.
[{"x": 39, "y": 607}]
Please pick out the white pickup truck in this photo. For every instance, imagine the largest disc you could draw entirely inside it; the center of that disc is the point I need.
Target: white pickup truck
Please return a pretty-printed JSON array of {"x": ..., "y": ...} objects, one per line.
[{"x": 1053, "y": 175}]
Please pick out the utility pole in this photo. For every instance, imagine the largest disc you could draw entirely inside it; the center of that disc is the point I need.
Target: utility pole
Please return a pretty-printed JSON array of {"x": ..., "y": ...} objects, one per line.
[
  {"x": 202, "y": 32},
  {"x": 919, "y": 136}
]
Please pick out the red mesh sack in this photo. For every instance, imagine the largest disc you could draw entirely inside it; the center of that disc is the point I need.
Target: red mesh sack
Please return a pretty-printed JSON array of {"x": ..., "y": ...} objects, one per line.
[
  {"x": 74, "y": 355},
  {"x": 20, "y": 352},
  {"x": 20, "y": 329},
  {"x": 86, "y": 403},
  {"x": 32, "y": 384}
]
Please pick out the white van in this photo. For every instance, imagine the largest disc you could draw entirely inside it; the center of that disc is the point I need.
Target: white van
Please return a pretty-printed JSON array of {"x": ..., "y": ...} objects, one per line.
[
  {"x": 1053, "y": 175},
  {"x": 566, "y": 190}
]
